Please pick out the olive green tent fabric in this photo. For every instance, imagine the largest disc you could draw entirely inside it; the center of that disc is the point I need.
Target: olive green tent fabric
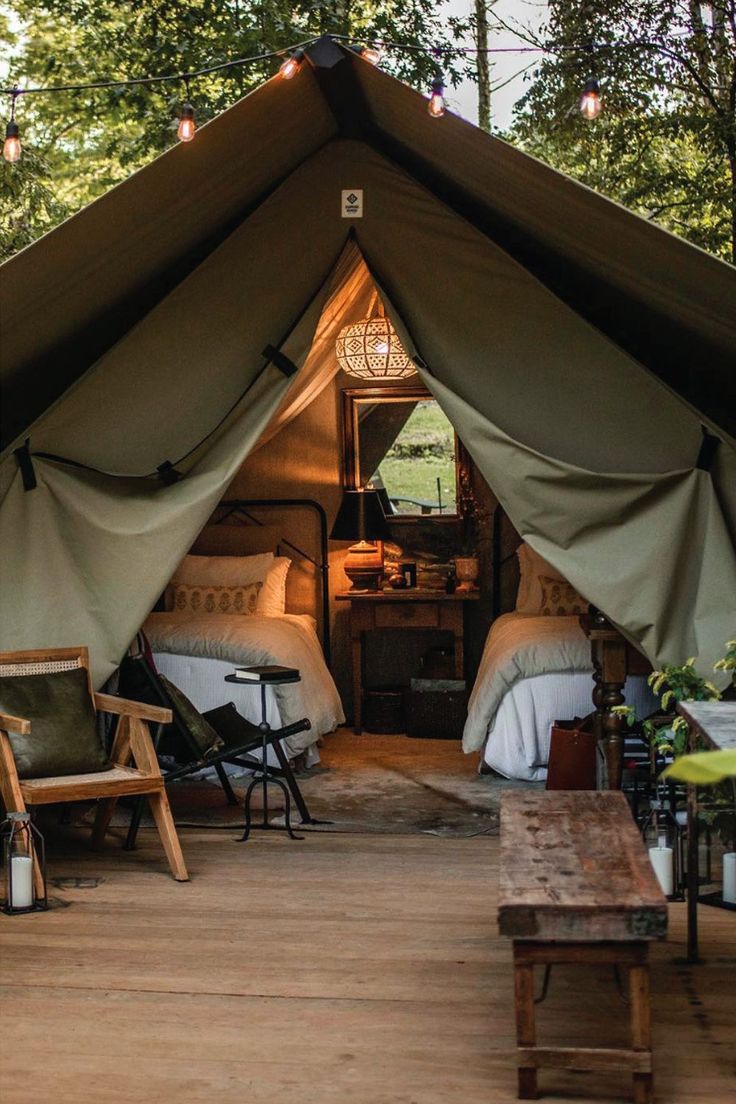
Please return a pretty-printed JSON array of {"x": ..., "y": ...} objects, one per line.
[{"x": 591, "y": 442}]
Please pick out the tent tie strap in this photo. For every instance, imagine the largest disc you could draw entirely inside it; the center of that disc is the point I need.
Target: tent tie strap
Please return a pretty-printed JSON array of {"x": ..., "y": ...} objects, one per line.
[
  {"x": 25, "y": 463},
  {"x": 281, "y": 360},
  {"x": 708, "y": 449},
  {"x": 168, "y": 474}
]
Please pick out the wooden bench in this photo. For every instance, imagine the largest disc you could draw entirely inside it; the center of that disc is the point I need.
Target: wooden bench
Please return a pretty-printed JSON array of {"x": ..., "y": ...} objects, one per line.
[{"x": 577, "y": 887}]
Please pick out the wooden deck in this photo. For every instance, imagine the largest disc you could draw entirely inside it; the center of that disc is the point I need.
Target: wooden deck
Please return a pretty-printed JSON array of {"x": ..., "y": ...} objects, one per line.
[{"x": 341, "y": 970}]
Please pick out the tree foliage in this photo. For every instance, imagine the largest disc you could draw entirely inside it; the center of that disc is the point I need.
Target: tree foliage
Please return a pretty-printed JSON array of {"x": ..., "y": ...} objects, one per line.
[{"x": 665, "y": 142}]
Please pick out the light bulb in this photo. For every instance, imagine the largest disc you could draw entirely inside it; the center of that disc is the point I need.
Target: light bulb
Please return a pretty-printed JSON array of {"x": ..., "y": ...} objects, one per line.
[
  {"x": 187, "y": 125},
  {"x": 436, "y": 105},
  {"x": 11, "y": 145},
  {"x": 371, "y": 54},
  {"x": 290, "y": 67},
  {"x": 590, "y": 101}
]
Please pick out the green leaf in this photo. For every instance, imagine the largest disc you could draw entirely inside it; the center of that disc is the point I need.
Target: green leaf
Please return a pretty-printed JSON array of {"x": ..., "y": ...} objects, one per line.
[{"x": 703, "y": 768}]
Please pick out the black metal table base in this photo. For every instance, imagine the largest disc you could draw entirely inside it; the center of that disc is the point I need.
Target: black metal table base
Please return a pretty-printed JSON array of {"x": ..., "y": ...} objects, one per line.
[{"x": 266, "y": 825}]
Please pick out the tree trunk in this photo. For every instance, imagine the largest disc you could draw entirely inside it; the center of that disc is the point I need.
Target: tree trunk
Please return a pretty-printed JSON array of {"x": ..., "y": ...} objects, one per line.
[{"x": 483, "y": 65}]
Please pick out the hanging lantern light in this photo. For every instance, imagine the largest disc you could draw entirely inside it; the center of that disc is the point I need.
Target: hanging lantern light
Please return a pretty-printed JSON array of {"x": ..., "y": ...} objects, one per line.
[
  {"x": 370, "y": 349},
  {"x": 371, "y": 54},
  {"x": 187, "y": 125},
  {"x": 590, "y": 101},
  {"x": 11, "y": 145},
  {"x": 290, "y": 67},
  {"x": 436, "y": 104},
  {"x": 21, "y": 840}
]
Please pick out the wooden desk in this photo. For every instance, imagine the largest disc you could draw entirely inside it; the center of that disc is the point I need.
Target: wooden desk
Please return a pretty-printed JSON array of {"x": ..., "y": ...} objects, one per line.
[
  {"x": 402, "y": 609},
  {"x": 614, "y": 659},
  {"x": 568, "y": 896},
  {"x": 714, "y": 724}
]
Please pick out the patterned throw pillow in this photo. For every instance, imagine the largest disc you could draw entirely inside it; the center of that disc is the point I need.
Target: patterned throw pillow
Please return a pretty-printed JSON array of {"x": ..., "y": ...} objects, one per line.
[
  {"x": 560, "y": 599},
  {"x": 188, "y": 598}
]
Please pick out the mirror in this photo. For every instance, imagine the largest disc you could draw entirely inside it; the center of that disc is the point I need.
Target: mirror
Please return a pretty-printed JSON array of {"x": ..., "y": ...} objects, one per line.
[{"x": 398, "y": 440}]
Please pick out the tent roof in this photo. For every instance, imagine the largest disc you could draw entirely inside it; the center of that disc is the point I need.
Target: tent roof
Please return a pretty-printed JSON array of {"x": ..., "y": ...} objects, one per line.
[{"x": 69, "y": 297}]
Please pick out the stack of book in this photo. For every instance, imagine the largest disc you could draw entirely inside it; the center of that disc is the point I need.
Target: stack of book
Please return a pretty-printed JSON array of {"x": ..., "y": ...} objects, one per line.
[{"x": 272, "y": 673}]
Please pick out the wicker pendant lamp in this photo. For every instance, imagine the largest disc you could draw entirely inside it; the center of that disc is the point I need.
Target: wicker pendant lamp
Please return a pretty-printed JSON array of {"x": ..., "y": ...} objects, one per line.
[{"x": 371, "y": 350}]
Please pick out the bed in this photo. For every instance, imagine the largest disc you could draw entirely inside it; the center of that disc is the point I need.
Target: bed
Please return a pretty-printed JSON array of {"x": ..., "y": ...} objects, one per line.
[
  {"x": 226, "y": 611},
  {"x": 536, "y": 668}
]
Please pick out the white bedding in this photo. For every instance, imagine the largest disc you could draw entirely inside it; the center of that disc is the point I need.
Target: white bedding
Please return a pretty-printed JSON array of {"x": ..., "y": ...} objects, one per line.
[
  {"x": 214, "y": 644},
  {"x": 534, "y": 670}
]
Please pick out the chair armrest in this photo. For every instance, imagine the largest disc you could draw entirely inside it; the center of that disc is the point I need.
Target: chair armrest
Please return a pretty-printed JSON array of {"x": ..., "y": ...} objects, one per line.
[
  {"x": 109, "y": 703},
  {"x": 9, "y": 723}
]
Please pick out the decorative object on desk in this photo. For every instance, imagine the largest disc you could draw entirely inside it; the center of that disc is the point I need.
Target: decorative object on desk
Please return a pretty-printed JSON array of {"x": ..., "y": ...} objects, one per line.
[
  {"x": 451, "y": 583},
  {"x": 397, "y": 581},
  {"x": 370, "y": 349},
  {"x": 467, "y": 570},
  {"x": 409, "y": 571},
  {"x": 21, "y": 840},
  {"x": 361, "y": 518}
]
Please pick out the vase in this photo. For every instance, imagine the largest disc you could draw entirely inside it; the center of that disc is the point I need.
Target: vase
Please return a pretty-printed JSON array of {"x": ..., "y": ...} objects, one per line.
[{"x": 466, "y": 569}]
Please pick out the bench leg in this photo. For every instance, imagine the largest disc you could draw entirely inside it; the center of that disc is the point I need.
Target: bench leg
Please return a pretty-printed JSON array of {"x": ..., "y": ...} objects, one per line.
[
  {"x": 641, "y": 1029},
  {"x": 526, "y": 1032}
]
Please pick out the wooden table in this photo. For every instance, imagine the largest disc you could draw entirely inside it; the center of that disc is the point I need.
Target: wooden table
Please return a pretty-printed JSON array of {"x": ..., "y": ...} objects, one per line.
[
  {"x": 614, "y": 659},
  {"x": 402, "y": 609},
  {"x": 714, "y": 724},
  {"x": 568, "y": 896}
]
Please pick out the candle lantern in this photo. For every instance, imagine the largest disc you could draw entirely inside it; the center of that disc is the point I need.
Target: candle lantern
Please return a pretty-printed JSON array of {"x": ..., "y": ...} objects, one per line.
[
  {"x": 663, "y": 837},
  {"x": 21, "y": 840}
]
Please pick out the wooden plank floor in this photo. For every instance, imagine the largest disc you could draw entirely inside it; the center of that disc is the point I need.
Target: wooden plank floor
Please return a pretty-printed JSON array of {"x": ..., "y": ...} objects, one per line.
[{"x": 344, "y": 969}]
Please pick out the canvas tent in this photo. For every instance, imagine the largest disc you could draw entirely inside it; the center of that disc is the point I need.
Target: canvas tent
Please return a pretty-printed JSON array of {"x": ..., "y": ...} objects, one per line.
[{"x": 585, "y": 356}]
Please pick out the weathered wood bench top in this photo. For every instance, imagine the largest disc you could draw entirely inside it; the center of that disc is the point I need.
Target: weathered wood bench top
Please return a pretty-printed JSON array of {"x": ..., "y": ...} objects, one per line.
[{"x": 574, "y": 867}]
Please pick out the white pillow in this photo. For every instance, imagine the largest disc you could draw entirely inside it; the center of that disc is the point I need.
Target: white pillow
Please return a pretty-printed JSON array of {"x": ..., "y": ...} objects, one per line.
[
  {"x": 272, "y": 599},
  {"x": 220, "y": 571},
  {"x": 531, "y": 567}
]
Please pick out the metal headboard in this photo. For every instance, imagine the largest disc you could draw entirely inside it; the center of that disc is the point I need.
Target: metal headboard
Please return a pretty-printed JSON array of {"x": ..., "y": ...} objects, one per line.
[{"x": 242, "y": 506}]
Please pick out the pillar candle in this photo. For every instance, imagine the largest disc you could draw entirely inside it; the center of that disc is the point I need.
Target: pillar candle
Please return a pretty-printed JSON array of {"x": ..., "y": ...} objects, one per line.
[
  {"x": 22, "y": 878},
  {"x": 729, "y": 877},
  {"x": 662, "y": 860}
]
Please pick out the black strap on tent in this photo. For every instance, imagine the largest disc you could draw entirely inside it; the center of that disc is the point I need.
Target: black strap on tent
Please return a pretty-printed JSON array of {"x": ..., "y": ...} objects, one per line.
[
  {"x": 708, "y": 449},
  {"x": 28, "y": 474},
  {"x": 168, "y": 474},
  {"x": 282, "y": 362}
]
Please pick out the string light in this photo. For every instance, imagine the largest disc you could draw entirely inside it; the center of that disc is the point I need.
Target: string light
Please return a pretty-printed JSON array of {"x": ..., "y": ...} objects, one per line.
[
  {"x": 187, "y": 126},
  {"x": 590, "y": 101},
  {"x": 292, "y": 65},
  {"x": 372, "y": 54},
  {"x": 11, "y": 145},
  {"x": 436, "y": 104}
]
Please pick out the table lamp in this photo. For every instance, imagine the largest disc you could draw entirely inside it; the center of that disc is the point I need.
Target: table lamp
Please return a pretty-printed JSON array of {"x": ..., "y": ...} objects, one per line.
[{"x": 361, "y": 518}]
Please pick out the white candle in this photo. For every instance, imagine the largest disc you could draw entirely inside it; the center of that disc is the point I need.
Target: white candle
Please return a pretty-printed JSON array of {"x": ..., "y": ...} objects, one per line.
[
  {"x": 729, "y": 877},
  {"x": 22, "y": 881},
  {"x": 662, "y": 860}
]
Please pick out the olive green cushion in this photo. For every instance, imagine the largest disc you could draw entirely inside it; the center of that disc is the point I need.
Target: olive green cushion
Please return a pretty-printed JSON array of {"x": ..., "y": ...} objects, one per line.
[{"x": 63, "y": 738}]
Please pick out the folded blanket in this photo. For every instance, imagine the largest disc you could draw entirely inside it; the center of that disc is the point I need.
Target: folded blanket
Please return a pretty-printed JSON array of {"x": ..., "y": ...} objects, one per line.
[
  {"x": 289, "y": 640},
  {"x": 520, "y": 646}
]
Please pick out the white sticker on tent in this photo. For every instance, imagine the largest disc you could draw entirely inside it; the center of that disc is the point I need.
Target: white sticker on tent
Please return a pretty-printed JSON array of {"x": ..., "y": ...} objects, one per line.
[{"x": 352, "y": 203}]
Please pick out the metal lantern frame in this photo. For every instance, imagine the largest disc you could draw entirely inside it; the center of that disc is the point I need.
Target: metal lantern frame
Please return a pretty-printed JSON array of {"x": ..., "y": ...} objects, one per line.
[
  {"x": 15, "y": 825},
  {"x": 371, "y": 350}
]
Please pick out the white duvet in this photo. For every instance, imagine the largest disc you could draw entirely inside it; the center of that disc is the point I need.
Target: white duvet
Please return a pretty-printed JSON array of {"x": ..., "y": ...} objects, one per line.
[
  {"x": 289, "y": 640},
  {"x": 533, "y": 670}
]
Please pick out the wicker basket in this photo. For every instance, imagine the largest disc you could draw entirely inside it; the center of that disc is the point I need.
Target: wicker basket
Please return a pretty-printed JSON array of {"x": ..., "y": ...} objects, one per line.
[
  {"x": 384, "y": 710},
  {"x": 436, "y": 709}
]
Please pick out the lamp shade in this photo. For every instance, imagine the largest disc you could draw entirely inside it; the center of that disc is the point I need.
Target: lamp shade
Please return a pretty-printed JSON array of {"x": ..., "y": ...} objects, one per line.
[
  {"x": 360, "y": 517},
  {"x": 370, "y": 349}
]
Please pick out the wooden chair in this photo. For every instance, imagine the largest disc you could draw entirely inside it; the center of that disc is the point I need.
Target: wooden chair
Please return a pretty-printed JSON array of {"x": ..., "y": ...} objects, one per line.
[{"x": 135, "y": 766}]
